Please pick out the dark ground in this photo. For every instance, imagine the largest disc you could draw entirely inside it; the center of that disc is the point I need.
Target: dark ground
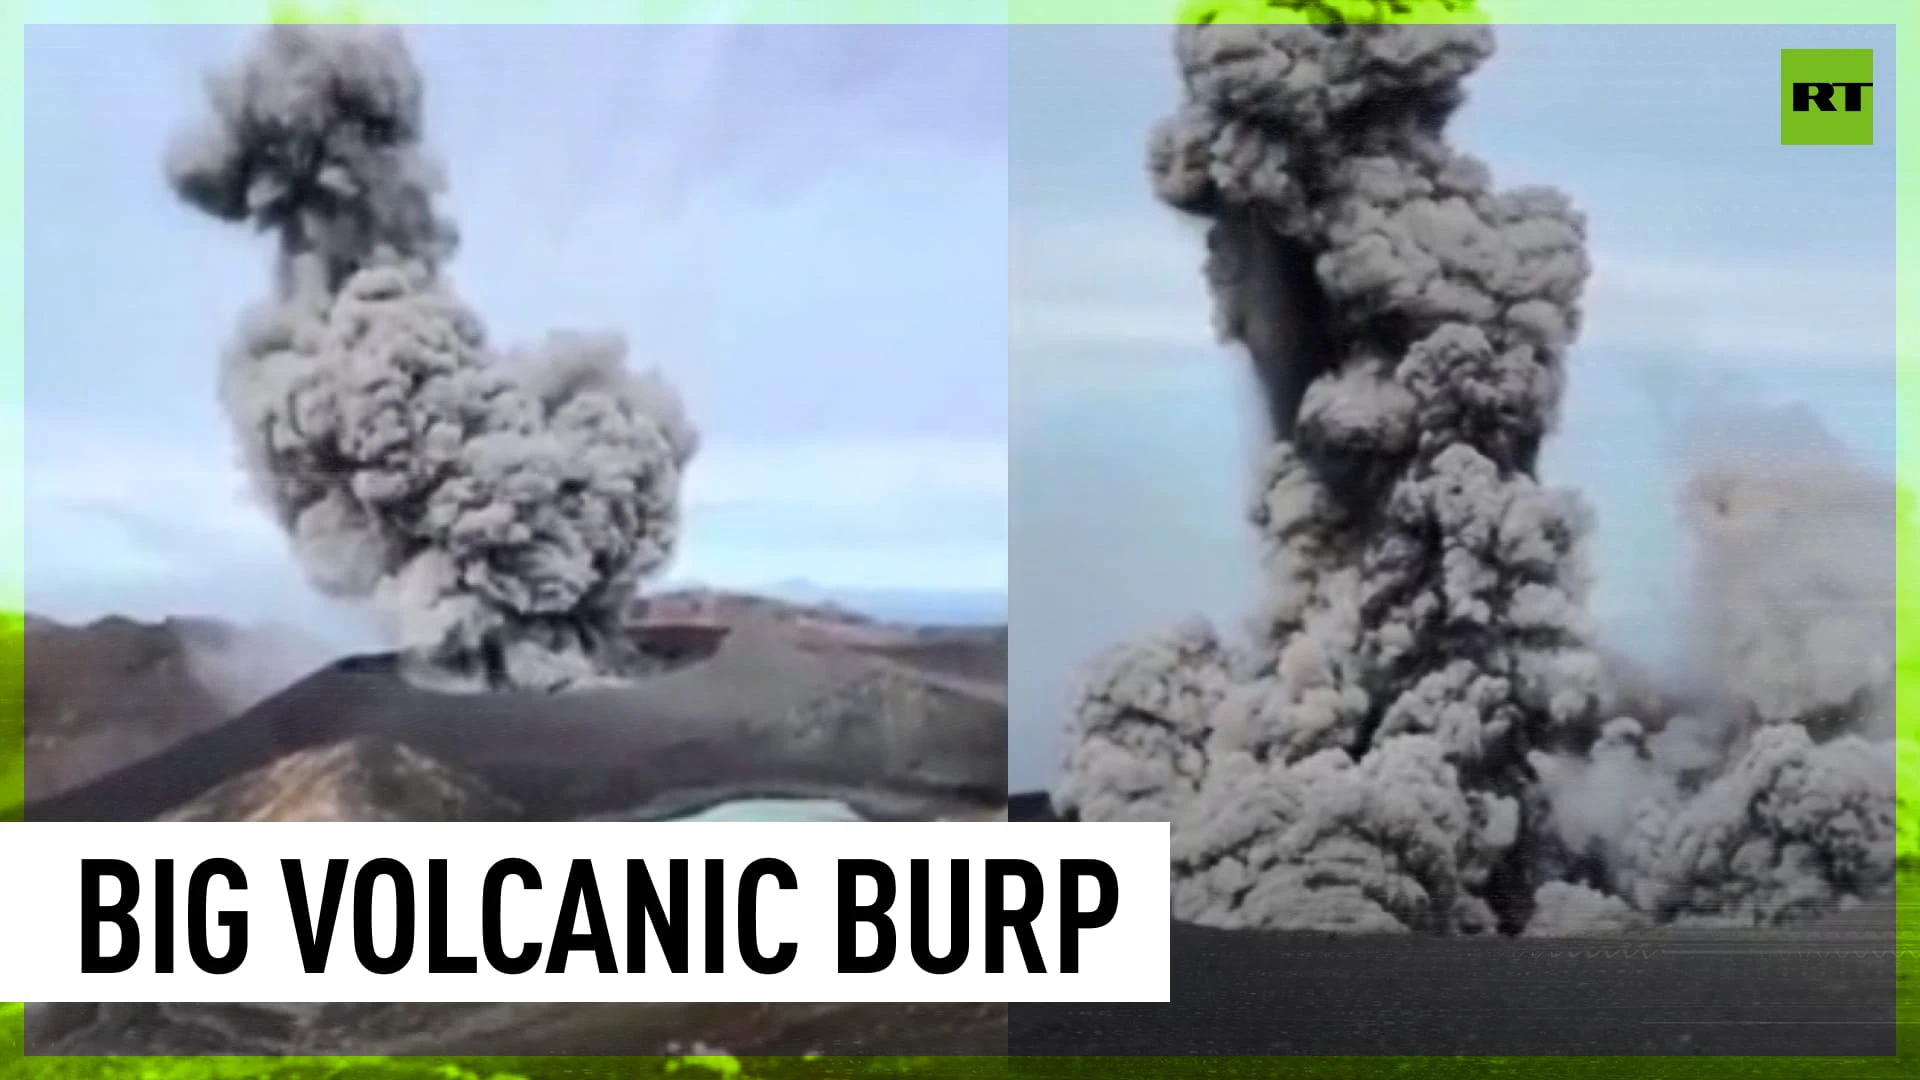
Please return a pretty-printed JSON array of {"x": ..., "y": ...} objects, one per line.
[
  {"x": 1824, "y": 989},
  {"x": 898, "y": 723},
  {"x": 758, "y": 717},
  {"x": 755, "y": 697}
]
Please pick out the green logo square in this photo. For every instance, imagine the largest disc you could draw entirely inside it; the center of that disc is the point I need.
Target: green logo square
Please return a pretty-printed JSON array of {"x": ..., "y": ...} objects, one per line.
[{"x": 1826, "y": 97}]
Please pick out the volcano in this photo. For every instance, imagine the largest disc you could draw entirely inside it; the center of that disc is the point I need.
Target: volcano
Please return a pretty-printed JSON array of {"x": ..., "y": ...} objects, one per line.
[{"x": 760, "y": 716}]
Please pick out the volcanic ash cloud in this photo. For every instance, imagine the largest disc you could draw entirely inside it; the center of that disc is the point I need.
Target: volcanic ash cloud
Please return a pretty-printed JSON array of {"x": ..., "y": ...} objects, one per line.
[
  {"x": 1417, "y": 734},
  {"x": 498, "y": 510}
]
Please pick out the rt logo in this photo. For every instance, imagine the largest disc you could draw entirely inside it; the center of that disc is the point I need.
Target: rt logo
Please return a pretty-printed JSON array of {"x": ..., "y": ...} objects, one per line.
[{"x": 1826, "y": 97}]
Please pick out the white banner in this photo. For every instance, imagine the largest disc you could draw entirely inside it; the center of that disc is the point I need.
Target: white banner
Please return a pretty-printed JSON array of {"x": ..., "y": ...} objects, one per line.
[{"x": 590, "y": 911}]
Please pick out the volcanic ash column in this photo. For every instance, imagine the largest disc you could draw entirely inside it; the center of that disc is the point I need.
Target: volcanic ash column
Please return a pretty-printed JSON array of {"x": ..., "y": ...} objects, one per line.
[
  {"x": 1371, "y": 759},
  {"x": 499, "y": 511},
  {"x": 1364, "y": 766}
]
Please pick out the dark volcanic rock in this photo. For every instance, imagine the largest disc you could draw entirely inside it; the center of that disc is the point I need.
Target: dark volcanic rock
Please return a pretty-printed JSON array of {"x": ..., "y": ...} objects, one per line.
[
  {"x": 1822, "y": 988},
  {"x": 1825, "y": 988},
  {"x": 1031, "y": 806},
  {"x": 677, "y": 643},
  {"x": 759, "y": 717},
  {"x": 977, "y": 656}
]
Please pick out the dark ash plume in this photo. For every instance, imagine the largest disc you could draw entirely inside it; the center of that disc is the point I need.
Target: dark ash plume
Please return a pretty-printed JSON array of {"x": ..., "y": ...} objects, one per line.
[
  {"x": 1417, "y": 736},
  {"x": 499, "y": 511}
]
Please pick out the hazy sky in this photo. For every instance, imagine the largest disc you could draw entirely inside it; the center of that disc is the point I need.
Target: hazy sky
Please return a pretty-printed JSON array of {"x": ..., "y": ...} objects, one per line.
[
  {"x": 805, "y": 227},
  {"x": 1732, "y": 273}
]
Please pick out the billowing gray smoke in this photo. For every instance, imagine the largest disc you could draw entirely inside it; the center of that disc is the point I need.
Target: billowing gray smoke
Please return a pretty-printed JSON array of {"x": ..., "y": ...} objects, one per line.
[
  {"x": 499, "y": 510},
  {"x": 1418, "y": 734}
]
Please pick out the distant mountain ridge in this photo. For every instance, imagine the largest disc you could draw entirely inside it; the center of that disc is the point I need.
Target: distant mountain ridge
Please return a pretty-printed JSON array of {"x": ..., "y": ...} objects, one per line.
[
  {"x": 106, "y": 695},
  {"x": 924, "y": 607}
]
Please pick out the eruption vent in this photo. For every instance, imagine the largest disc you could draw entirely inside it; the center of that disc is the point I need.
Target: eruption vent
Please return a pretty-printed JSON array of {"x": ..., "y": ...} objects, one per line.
[
  {"x": 498, "y": 510},
  {"x": 1419, "y": 735}
]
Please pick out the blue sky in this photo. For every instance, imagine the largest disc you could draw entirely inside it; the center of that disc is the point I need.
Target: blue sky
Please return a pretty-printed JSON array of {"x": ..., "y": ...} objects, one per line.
[
  {"x": 1731, "y": 274},
  {"x": 804, "y": 226}
]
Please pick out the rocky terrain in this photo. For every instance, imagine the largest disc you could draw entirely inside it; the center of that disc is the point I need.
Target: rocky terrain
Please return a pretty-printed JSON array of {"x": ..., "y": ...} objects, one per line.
[
  {"x": 356, "y": 780},
  {"x": 114, "y": 691},
  {"x": 973, "y": 656},
  {"x": 754, "y": 698}
]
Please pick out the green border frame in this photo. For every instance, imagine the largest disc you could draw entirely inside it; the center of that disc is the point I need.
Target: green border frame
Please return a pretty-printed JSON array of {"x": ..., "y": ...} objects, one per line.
[{"x": 1905, "y": 126}]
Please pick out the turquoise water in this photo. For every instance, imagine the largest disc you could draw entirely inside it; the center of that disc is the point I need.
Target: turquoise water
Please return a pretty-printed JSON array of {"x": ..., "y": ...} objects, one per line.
[{"x": 775, "y": 810}]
